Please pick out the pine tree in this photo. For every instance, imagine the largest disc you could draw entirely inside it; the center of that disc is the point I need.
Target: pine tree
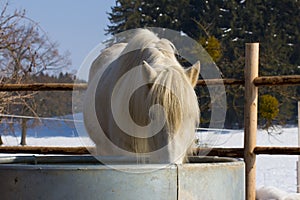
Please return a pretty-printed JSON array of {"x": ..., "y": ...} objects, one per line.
[{"x": 274, "y": 24}]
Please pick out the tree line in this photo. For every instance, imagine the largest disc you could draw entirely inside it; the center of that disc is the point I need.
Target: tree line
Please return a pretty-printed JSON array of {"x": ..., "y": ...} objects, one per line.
[
  {"x": 223, "y": 27},
  {"x": 26, "y": 55}
]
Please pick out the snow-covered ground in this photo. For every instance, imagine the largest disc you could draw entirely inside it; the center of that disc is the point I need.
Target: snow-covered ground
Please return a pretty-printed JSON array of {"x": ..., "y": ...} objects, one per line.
[
  {"x": 277, "y": 171},
  {"x": 48, "y": 141}
]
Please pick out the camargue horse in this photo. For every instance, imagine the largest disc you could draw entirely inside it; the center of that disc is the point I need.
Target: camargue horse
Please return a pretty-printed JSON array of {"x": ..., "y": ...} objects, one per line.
[{"x": 140, "y": 101}]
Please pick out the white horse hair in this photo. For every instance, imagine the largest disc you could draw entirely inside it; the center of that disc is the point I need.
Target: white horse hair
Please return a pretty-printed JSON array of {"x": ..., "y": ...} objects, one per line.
[{"x": 141, "y": 102}]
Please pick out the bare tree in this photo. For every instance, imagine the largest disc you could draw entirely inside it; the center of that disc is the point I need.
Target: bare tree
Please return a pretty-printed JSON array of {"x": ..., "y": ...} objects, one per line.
[{"x": 25, "y": 50}]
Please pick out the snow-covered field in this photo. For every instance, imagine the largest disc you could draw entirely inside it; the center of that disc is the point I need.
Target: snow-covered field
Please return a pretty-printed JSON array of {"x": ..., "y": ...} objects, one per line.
[{"x": 278, "y": 171}]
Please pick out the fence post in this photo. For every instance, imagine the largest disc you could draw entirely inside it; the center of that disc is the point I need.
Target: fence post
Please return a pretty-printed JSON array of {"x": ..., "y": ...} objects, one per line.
[
  {"x": 298, "y": 163},
  {"x": 250, "y": 117}
]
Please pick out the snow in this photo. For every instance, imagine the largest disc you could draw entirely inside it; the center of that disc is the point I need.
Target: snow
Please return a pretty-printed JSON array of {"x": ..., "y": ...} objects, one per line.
[
  {"x": 49, "y": 141},
  {"x": 276, "y": 174},
  {"x": 267, "y": 193}
]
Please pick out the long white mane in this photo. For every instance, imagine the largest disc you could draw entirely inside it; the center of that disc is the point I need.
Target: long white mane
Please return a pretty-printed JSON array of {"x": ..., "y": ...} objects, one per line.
[{"x": 160, "y": 115}]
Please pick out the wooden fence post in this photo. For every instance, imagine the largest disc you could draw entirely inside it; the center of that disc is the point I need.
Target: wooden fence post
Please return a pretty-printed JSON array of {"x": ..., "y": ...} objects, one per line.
[
  {"x": 250, "y": 117},
  {"x": 298, "y": 163}
]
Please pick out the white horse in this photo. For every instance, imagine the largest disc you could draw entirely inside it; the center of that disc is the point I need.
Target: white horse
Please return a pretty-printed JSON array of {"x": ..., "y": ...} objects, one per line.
[{"x": 140, "y": 101}]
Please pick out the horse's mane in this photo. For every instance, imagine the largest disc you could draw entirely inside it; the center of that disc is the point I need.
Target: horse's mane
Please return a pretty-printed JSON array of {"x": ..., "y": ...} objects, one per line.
[
  {"x": 145, "y": 40},
  {"x": 171, "y": 87}
]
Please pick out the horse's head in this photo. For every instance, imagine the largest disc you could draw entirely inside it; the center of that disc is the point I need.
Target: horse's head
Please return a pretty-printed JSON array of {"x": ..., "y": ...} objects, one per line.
[{"x": 172, "y": 88}]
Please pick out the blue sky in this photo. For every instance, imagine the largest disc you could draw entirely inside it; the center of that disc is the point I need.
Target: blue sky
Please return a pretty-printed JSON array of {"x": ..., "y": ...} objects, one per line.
[{"x": 76, "y": 25}]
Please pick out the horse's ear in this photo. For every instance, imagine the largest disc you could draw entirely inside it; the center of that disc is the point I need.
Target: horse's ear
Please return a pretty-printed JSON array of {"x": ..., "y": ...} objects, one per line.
[
  {"x": 193, "y": 72},
  {"x": 148, "y": 72}
]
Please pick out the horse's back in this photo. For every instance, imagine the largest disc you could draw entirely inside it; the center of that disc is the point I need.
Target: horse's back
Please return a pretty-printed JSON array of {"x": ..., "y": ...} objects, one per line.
[{"x": 106, "y": 57}]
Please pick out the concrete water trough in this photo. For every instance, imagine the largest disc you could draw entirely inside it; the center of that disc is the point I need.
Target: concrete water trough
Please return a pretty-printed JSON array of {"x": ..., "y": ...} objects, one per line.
[{"x": 84, "y": 177}]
